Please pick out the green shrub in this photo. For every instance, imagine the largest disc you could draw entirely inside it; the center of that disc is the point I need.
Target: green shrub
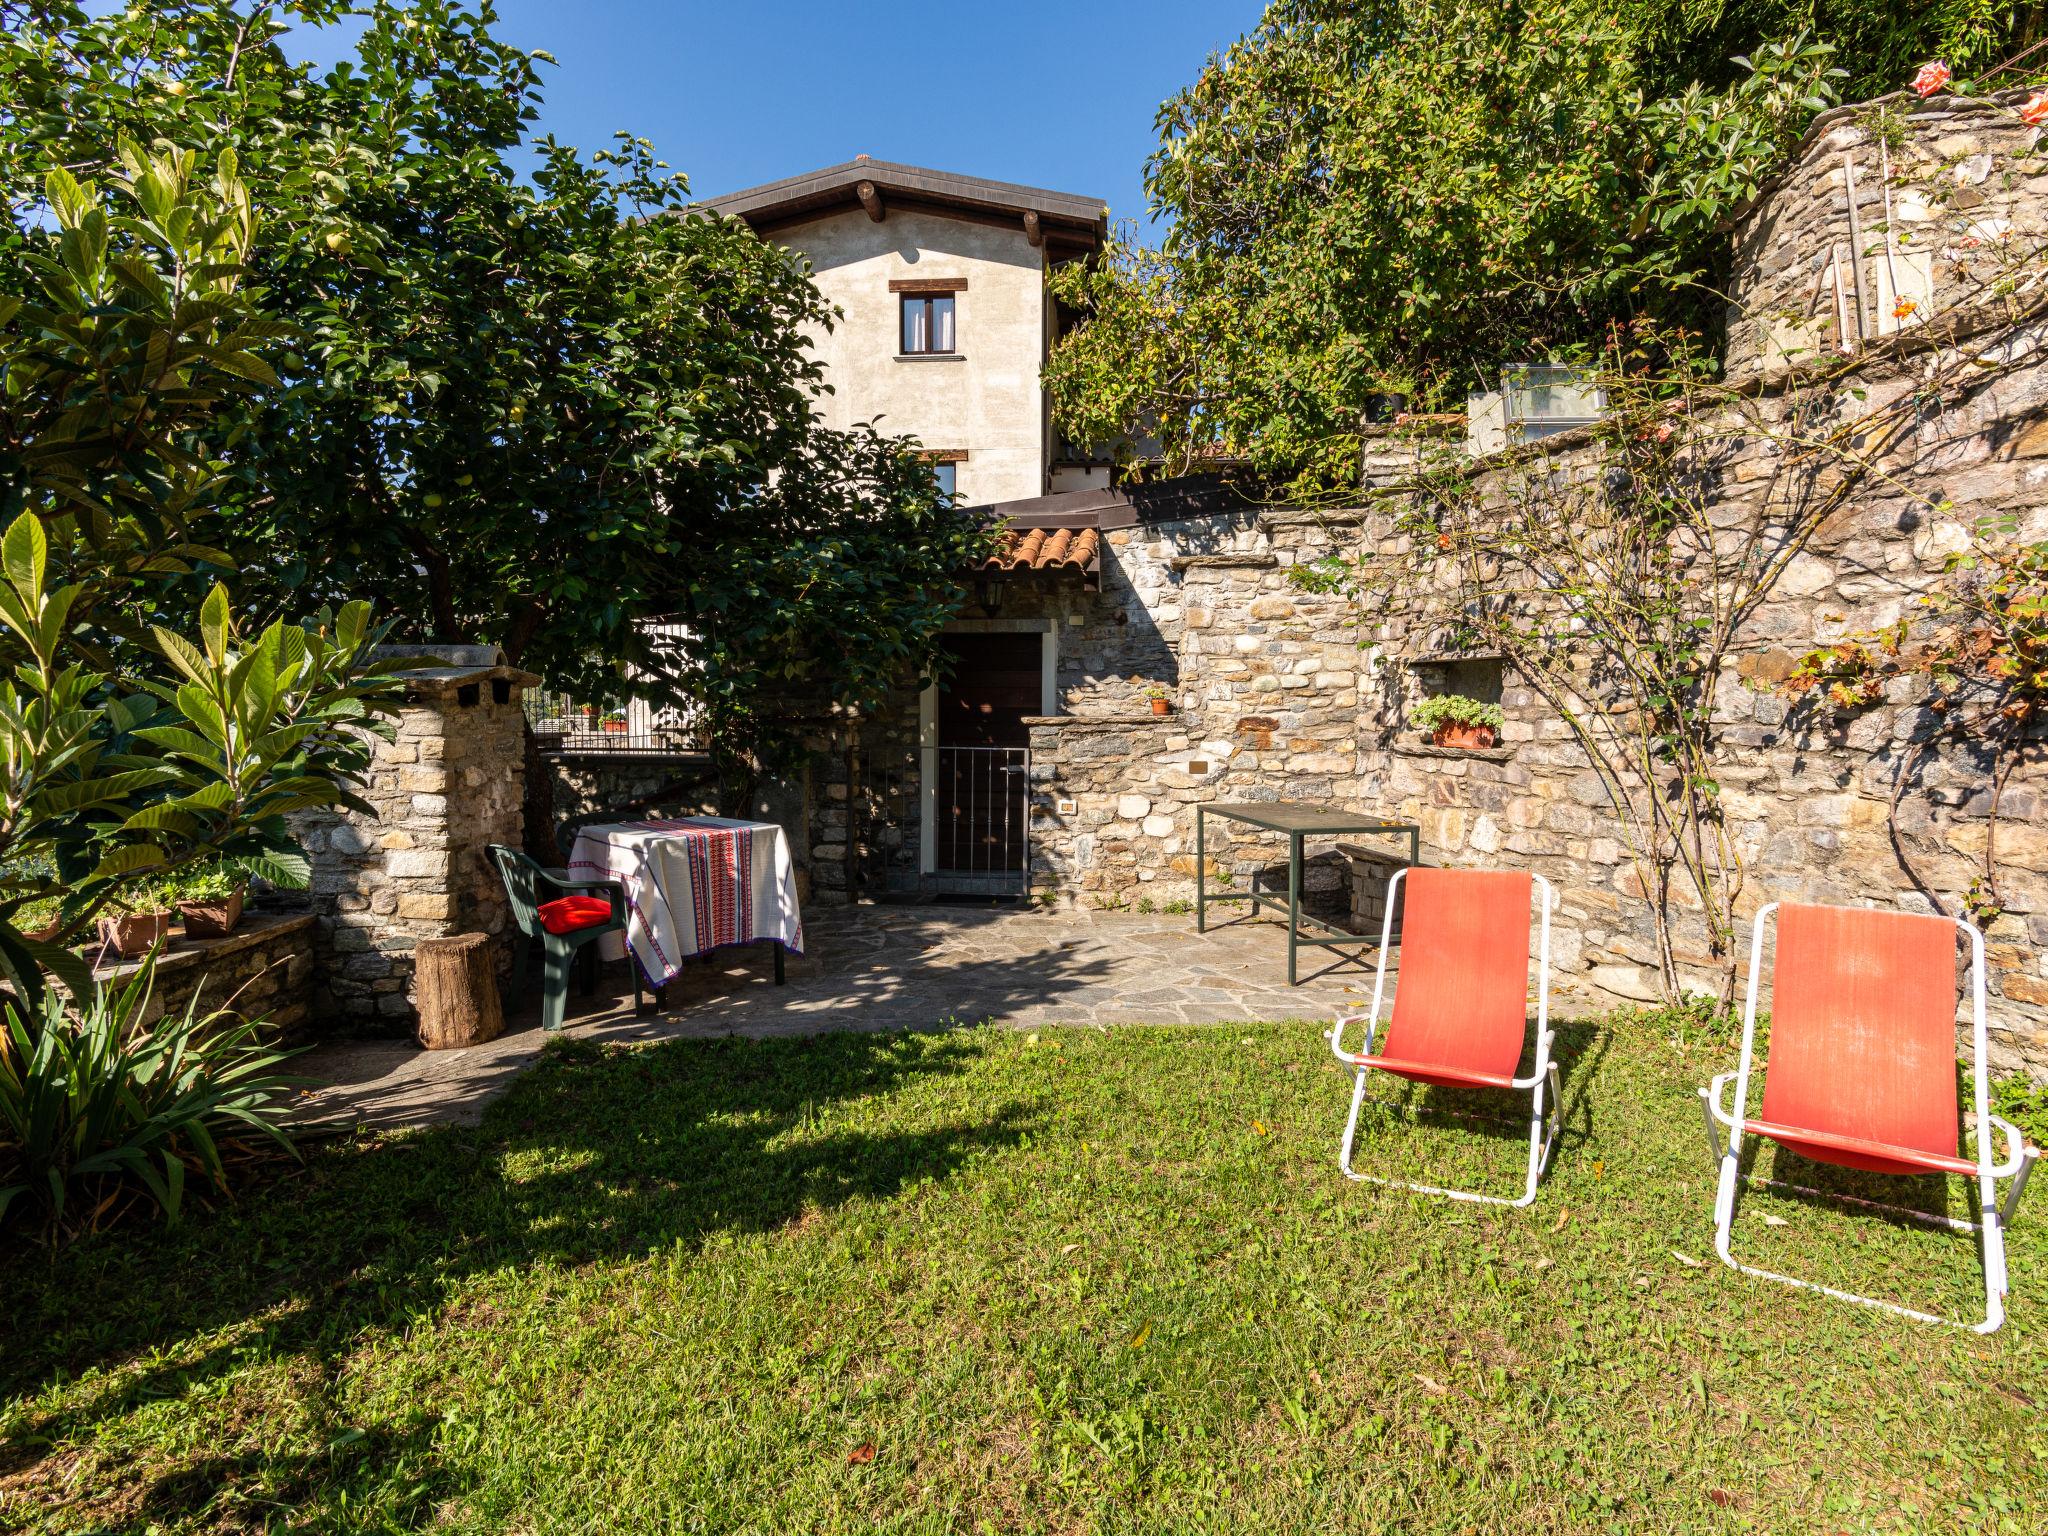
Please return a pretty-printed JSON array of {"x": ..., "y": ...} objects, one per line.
[
  {"x": 94, "y": 1103},
  {"x": 1454, "y": 709}
]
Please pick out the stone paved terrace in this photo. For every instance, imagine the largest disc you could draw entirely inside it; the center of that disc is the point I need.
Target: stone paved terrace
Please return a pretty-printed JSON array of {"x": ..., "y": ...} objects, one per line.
[{"x": 881, "y": 968}]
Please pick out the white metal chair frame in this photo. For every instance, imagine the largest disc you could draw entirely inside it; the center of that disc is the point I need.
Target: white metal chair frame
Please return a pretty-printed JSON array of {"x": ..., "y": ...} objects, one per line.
[
  {"x": 1543, "y": 1127},
  {"x": 2018, "y": 1165}
]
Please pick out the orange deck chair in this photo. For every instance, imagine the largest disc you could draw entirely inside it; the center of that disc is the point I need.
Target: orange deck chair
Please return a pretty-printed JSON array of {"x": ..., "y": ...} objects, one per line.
[
  {"x": 1862, "y": 1072},
  {"x": 1461, "y": 1004}
]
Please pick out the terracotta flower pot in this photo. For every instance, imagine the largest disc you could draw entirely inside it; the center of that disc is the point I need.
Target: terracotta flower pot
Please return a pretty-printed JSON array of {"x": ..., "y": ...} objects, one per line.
[
  {"x": 131, "y": 934},
  {"x": 214, "y": 919},
  {"x": 1468, "y": 738},
  {"x": 1162, "y": 706}
]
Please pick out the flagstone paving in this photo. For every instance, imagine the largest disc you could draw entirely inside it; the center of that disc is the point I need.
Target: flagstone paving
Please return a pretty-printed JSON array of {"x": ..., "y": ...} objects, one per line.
[{"x": 877, "y": 968}]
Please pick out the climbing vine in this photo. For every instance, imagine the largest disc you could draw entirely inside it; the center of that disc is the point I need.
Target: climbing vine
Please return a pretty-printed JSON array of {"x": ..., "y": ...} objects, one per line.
[{"x": 1976, "y": 654}]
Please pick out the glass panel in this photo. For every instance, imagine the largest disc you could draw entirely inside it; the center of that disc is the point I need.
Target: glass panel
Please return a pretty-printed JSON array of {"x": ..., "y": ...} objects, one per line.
[
  {"x": 949, "y": 479},
  {"x": 942, "y": 323},
  {"x": 913, "y": 324}
]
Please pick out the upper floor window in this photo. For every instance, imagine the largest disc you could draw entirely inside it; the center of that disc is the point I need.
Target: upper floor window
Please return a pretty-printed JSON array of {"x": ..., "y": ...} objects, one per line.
[
  {"x": 947, "y": 474},
  {"x": 927, "y": 322}
]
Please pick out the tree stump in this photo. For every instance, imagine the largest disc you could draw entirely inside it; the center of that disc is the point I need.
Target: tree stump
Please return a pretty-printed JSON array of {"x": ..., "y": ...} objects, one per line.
[{"x": 456, "y": 985}]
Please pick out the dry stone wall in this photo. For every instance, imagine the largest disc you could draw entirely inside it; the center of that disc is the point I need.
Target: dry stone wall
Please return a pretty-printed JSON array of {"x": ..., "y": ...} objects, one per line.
[
  {"x": 261, "y": 971},
  {"x": 1897, "y": 217}
]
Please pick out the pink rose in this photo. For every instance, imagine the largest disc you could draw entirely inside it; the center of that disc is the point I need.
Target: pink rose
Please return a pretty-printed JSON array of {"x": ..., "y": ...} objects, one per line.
[{"x": 1931, "y": 78}]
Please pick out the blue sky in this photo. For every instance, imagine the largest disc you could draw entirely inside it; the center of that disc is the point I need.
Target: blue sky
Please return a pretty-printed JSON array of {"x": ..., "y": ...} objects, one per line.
[{"x": 1052, "y": 93}]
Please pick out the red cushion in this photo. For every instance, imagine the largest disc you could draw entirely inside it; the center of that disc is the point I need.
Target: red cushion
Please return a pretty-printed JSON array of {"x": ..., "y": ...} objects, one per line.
[{"x": 573, "y": 912}]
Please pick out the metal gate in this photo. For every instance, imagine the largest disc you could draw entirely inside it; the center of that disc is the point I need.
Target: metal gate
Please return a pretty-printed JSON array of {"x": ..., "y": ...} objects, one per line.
[{"x": 981, "y": 809}]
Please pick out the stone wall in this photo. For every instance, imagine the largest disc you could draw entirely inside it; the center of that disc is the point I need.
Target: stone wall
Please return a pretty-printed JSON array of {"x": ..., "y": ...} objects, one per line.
[
  {"x": 1936, "y": 204},
  {"x": 263, "y": 970},
  {"x": 583, "y": 783},
  {"x": 451, "y": 782}
]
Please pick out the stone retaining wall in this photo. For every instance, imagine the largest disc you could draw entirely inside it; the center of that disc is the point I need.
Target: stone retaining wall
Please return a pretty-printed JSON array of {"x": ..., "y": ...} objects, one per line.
[
  {"x": 595, "y": 781},
  {"x": 263, "y": 970}
]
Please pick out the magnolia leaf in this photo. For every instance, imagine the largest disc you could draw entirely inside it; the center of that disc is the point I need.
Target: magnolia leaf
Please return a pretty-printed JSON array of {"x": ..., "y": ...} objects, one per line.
[
  {"x": 290, "y": 870},
  {"x": 126, "y": 860},
  {"x": 24, "y": 552},
  {"x": 184, "y": 655},
  {"x": 215, "y": 625}
]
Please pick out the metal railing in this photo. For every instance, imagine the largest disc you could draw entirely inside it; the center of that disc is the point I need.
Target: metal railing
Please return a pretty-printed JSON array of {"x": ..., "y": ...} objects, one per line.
[
  {"x": 981, "y": 805},
  {"x": 634, "y": 726}
]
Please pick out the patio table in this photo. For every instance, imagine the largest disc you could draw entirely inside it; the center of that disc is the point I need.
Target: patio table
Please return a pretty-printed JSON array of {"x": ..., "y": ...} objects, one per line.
[
  {"x": 1296, "y": 822},
  {"x": 694, "y": 884}
]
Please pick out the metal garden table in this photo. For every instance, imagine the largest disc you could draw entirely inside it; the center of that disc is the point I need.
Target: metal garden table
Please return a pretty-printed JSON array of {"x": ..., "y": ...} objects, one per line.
[{"x": 1296, "y": 822}]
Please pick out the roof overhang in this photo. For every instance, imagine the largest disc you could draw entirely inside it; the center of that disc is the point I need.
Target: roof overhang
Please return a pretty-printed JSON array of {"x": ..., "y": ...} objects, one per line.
[
  {"x": 1161, "y": 501},
  {"x": 1063, "y": 222}
]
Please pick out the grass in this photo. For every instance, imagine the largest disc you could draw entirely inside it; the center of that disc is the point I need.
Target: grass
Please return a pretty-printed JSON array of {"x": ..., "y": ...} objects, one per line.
[{"x": 979, "y": 1281}]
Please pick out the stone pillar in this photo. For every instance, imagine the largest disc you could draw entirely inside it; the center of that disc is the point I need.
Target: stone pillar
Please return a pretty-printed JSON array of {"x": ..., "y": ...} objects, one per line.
[{"x": 451, "y": 782}]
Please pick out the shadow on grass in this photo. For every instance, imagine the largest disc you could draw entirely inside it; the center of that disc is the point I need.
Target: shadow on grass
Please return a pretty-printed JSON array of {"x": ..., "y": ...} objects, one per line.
[
  {"x": 594, "y": 1154},
  {"x": 1503, "y": 1114}
]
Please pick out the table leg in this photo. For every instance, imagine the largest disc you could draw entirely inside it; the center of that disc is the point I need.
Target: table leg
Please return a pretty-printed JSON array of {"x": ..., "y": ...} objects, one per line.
[
  {"x": 1201, "y": 884},
  {"x": 777, "y": 947},
  {"x": 1293, "y": 901}
]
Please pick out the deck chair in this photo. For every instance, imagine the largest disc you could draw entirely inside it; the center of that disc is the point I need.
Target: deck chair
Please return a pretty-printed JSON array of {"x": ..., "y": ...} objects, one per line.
[
  {"x": 1862, "y": 1073},
  {"x": 1461, "y": 1005}
]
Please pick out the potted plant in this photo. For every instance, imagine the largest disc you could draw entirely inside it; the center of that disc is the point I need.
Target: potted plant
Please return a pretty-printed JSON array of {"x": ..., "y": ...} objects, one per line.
[
  {"x": 1389, "y": 399},
  {"x": 1453, "y": 720},
  {"x": 613, "y": 724},
  {"x": 133, "y": 931},
  {"x": 209, "y": 900},
  {"x": 1162, "y": 703}
]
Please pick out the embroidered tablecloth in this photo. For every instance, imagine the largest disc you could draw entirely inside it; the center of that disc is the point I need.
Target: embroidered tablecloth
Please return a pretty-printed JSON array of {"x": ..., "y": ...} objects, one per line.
[{"x": 693, "y": 884}]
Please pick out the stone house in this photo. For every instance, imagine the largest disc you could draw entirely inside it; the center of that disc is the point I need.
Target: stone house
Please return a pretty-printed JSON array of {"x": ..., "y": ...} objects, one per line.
[
  {"x": 945, "y": 318},
  {"x": 1040, "y": 768}
]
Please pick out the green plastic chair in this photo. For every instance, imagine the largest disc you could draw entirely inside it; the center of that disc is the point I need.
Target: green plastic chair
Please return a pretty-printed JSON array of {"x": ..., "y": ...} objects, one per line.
[{"x": 529, "y": 888}]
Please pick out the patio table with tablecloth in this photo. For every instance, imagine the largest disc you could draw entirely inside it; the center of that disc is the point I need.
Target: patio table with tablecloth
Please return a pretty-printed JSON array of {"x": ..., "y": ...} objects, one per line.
[{"x": 694, "y": 884}]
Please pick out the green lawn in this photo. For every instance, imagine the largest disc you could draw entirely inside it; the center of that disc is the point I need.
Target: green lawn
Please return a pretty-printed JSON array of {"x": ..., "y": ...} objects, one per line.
[{"x": 976, "y": 1282}]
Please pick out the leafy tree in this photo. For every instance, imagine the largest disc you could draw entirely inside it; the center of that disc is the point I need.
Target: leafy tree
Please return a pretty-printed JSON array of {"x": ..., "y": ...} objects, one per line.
[
  {"x": 1372, "y": 196},
  {"x": 537, "y": 410},
  {"x": 128, "y": 748}
]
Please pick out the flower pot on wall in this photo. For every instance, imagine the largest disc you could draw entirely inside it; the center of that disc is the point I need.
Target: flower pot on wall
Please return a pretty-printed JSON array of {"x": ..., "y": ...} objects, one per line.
[
  {"x": 1469, "y": 738},
  {"x": 1162, "y": 706},
  {"x": 214, "y": 919},
  {"x": 132, "y": 934},
  {"x": 613, "y": 727}
]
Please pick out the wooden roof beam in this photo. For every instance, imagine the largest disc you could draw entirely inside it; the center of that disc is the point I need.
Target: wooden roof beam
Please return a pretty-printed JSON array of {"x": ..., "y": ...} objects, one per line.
[
  {"x": 1033, "y": 231},
  {"x": 871, "y": 200}
]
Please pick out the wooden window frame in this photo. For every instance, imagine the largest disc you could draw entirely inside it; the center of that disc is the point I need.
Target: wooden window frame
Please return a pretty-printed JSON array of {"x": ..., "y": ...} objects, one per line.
[{"x": 904, "y": 301}]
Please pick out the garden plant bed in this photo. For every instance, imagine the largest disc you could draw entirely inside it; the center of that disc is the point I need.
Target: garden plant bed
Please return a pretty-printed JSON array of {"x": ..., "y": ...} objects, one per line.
[{"x": 986, "y": 1279}]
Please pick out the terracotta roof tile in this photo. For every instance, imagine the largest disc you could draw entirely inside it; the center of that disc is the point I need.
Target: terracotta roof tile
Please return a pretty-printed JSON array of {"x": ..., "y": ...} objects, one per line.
[{"x": 1047, "y": 549}]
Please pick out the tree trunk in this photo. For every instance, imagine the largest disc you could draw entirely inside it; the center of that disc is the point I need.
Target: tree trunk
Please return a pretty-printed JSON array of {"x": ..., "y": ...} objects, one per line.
[{"x": 457, "y": 988}]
